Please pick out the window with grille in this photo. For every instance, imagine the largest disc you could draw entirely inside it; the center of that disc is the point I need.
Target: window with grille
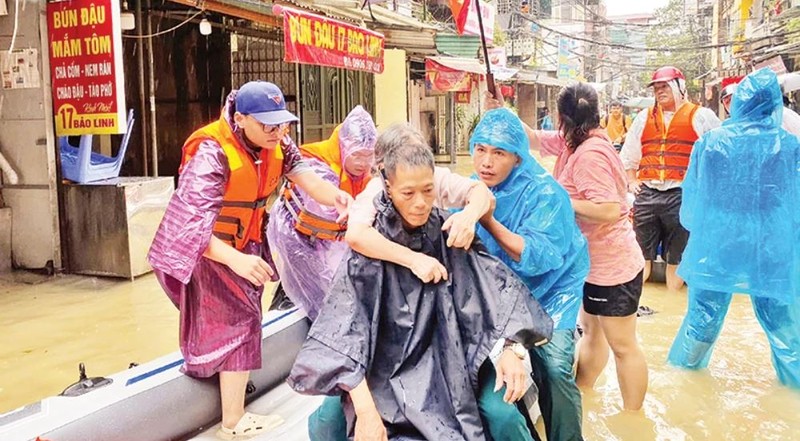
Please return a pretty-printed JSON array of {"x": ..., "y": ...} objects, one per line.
[
  {"x": 328, "y": 95},
  {"x": 325, "y": 97},
  {"x": 256, "y": 58}
]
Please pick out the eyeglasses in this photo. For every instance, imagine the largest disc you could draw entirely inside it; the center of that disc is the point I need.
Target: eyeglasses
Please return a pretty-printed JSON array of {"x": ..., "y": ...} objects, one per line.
[{"x": 281, "y": 129}]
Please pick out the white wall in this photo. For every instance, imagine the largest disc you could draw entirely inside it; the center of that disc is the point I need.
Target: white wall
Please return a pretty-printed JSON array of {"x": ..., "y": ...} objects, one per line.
[
  {"x": 391, "y": 94},
  {"x": 26, "y": 140}
]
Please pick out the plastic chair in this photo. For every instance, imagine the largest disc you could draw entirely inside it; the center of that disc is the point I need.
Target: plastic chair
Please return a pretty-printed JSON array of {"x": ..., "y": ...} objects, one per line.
[{"x": 81, "y": 165}]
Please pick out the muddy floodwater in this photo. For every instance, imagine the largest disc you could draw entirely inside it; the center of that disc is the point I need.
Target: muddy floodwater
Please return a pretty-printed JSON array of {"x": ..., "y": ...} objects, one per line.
[{"x": 49, "y": 327}]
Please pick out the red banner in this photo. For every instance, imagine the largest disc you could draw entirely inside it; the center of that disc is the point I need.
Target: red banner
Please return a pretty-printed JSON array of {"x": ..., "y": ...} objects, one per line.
[
  {"x": 313, "y": 39},
  {"x": 85, "y": 48},
  {"x": 444, "y": 79}
]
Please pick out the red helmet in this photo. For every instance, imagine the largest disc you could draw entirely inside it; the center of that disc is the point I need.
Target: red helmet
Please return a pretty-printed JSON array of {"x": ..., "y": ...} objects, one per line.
[
  {"x": 728, "y": 91},
  {"x": 667, "y": 73}
]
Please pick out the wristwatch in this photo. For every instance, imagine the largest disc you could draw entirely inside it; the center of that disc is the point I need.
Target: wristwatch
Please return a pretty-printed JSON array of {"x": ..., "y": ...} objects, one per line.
[{"x": 517, "y": 349}]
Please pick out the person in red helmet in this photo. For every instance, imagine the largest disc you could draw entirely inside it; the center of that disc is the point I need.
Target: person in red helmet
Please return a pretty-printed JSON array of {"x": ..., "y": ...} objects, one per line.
[
  {"x": 656, "y": 155},
  {"x": 790, "y": 120}
]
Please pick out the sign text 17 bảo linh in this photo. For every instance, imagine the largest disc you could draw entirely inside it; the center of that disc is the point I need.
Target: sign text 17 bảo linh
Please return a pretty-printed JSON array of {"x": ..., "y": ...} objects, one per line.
[{"x": 83, "y": 66}]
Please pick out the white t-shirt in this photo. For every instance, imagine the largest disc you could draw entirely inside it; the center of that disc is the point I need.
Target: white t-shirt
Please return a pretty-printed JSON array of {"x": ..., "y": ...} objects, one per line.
[{"x": 791, "y": 121}]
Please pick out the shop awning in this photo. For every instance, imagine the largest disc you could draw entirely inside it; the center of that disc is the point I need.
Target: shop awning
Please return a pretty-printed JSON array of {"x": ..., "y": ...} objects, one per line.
[
  {"x": 247, "y": 10},
  {"x": 469, "y": 65},
  {"x": 474, "y": 66},
  {"x": 352, "y": 11},
  {"x": 443, "y": 78}
]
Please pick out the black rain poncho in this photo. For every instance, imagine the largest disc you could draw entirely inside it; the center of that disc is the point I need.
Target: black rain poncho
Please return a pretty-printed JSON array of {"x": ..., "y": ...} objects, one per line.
[{"x": 418, "y": 345}]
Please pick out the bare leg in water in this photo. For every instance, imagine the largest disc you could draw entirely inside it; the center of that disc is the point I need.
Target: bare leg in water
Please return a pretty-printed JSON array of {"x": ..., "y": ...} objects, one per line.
[
  {"x": 618, "y": 333},
  {"x": 674, "y": 281}
]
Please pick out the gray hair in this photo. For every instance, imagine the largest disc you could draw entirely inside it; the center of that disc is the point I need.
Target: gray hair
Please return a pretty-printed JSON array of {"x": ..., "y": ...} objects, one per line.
[{"x": 402, "y": 146}]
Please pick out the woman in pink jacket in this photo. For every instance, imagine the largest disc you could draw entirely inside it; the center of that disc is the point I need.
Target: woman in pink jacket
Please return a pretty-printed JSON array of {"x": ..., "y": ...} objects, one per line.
[{"x": 592, "y": 173}]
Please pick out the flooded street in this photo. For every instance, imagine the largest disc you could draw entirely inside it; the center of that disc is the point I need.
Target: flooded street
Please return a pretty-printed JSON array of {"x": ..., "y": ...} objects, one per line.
[
  {"x": 50, "y": 327},
  {"x": 737, "y": 398}
]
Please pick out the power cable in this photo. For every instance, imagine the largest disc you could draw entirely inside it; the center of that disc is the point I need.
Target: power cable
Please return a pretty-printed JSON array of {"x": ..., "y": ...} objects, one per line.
[
  {"x": 166, "y": 31},
  {"x": 607, "y": 62},
  {"x": 659, "y": 49}
]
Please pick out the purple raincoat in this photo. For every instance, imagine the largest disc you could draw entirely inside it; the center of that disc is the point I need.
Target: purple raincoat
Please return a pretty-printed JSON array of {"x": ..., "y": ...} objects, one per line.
[
  {"x": 307, "y": 265},
  {"x": 220, "y": 312}
]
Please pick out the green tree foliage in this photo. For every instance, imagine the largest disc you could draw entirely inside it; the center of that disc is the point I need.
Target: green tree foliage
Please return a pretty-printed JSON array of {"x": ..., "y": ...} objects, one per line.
[{"x": 675, "y": 29}]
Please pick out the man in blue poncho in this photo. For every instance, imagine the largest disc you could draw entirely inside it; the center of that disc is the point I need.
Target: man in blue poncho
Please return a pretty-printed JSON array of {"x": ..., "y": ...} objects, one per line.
[
  {"x": 533, "y": 231},
  {"x": 741, "y": 194}
]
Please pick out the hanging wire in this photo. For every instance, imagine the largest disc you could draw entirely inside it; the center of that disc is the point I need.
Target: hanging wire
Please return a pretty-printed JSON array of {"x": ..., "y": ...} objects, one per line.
[
  {"x": 166, "y": 31},
  {"x": 599, "y": 60},
  {"x": 16, "y": 29},
  {"x": 659, "y": 49}
]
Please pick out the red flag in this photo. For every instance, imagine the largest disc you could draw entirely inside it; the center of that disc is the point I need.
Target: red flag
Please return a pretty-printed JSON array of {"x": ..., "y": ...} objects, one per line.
[{"x": 460, "y": 9}]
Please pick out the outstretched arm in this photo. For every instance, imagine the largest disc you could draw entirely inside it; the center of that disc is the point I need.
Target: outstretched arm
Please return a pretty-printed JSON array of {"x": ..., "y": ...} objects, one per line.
[{"x": 324, "y": 192}]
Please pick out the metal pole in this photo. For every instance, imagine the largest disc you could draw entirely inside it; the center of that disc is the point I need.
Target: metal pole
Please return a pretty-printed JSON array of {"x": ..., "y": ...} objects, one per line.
[
  {"x": 142, "y": 94},
  {"x": 152, "y": 84},
  {"x": 489, "y": 76}
]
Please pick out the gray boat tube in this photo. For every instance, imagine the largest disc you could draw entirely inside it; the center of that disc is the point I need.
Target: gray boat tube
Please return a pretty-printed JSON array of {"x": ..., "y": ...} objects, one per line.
[{"x": 154, "y": 401}]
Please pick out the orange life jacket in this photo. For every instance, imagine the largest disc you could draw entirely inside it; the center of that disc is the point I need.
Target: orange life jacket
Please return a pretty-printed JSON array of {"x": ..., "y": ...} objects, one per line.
[
  {"x": 308, "y": 223},
  {"x": 666, "y": 150},
  {"x": 249, "y": 185}
]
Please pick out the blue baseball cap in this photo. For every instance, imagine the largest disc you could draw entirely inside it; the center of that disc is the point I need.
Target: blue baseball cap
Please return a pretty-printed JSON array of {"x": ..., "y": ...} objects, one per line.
[{"x": 263, "y": 101}]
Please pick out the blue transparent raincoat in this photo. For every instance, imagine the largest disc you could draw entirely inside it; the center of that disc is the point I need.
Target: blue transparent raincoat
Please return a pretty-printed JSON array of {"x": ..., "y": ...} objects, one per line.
[
  {"x": 555, "y": 261},
  {"x": 740, "y": 204}
]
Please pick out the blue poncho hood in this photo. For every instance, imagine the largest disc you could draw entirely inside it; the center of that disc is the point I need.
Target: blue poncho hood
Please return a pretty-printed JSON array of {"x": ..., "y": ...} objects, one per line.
[{"x": 555, "y": 260}]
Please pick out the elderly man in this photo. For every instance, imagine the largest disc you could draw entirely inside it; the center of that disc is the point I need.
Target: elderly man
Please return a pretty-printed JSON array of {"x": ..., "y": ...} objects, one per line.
[
  {"x": 655, "y": 155},
  {"x": 411, "y": 358}
]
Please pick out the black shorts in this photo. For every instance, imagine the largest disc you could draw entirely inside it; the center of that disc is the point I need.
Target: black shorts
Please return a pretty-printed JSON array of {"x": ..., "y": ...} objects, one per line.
[
  {"x": 613, "y": 301},
  {"x": 656, "y": 221}
]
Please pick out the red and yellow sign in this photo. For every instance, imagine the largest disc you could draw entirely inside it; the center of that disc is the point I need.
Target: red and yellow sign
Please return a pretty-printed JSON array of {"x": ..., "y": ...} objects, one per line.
[
  {"x": 313, "y": 39},
  {"x": 85, "y": 48},
  {"x": 463, "y": 97}
]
